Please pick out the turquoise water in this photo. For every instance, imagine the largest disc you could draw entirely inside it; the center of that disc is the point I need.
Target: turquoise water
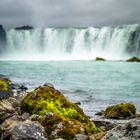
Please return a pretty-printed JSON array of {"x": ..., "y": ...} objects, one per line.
[{"x": 95, "y": 84}]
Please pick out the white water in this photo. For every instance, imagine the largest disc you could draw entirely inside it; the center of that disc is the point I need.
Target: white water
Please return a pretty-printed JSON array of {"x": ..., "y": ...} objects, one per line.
[{"x": 73, "y": 43}]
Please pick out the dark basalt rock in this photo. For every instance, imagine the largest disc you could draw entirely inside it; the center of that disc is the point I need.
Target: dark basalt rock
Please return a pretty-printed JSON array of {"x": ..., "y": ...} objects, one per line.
[
  {"x": 24, "y": 28},
  {"x": 2, "y": 35},
  {"x": 2, "y": 39},
  {"x": 134, "y": 59}
]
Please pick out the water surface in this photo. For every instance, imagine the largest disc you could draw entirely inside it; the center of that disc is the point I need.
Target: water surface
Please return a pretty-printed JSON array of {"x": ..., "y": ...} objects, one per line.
[{"x": 95, "y": 84}]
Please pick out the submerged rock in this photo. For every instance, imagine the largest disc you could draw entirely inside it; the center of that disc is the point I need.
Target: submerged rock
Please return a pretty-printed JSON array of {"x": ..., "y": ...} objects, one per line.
[
  {"x": 121, "y": 111},
  {"x": 129, "y": 131},
  {"x": 63, "y": 119},
  {"x": 17, "y": 130},
  {"x": 99, "y": 59},
  {"x": 134, "y": 59}
]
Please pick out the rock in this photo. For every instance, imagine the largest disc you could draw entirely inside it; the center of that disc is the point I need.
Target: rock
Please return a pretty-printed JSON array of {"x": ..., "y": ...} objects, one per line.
[
  {"x": 6, "y": 110},
  {"x": 5, "y": 90},
  {"x": 99, "y": 59},
  {"x": 27, "y": 27},
  {"x": 57, "y": 126},
  {"x": 100, "y": 113},
  {"x": 129, "y": 131},
  {"x": 26, "y": 130},
  {"x": 48, "y": 85},
  {"x": 121, "y": 111},
  {"x": 134, "y": 59},
  {"x": 2, "y": 36},
  {"x": 18, "y": 87},
  {"x": 104, "y": 125},
  {"x": 62, "y": 113},
  {"x": 81, "y": 137},
  {"x": 77, "y": 103},
  {"x": 5, "y": 78}
]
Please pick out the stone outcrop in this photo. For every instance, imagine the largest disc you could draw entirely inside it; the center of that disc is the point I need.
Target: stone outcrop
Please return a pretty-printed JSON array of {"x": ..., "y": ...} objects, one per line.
[
  {"x": 129, "y": 131},
  {"x": 2, "y": 36}
]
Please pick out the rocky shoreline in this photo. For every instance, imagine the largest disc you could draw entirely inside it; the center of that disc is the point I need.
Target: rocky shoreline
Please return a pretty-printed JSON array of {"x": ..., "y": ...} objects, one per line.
[{"x": 45, "y": 114}]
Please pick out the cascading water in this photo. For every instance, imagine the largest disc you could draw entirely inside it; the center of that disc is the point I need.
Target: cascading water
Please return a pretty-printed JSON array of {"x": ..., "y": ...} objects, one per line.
[{"x": 117, "y": 43}]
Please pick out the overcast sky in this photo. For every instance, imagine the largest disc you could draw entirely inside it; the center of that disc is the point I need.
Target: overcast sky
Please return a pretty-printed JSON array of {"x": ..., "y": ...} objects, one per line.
[{"x": 67, "y": 13}]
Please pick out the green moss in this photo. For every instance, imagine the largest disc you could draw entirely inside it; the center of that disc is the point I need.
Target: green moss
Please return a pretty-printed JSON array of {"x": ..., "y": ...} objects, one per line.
[
  {"x": 134, "y": 59},
  {"x": 65, "y": 128},
  {"x": 4, "y": 86},
  {"x": 46, "y": 99},
  {"x": 99, "y": 59},
  {"x": 123, "y": 110}
]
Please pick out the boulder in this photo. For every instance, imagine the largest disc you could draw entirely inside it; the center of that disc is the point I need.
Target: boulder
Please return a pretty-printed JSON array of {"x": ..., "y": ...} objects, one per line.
[
  {"x": 121, "y": 111},
  {"x": 99, "y": 59},
  {"x": 59, "y": 112},
  {"x": 17, "y": 130},
  {"x": 134, "y": 59},
  {"x": 129, "y": 131},
  {"x": 7, "y": 109}
]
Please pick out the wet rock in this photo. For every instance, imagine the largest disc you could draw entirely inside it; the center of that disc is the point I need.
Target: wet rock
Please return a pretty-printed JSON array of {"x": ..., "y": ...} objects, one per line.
[
  {"x": 27, "y": 27},
  {"x": 100, "y": 113},
  {"x": 26, "y": 130},
  {"x": 121, "y": 111},
  {"x": 129, "y": 131},
  {"x": 134, "y": 59},
  {"x": 18, "y": 87},
  {"x": 99, "y": 59}
]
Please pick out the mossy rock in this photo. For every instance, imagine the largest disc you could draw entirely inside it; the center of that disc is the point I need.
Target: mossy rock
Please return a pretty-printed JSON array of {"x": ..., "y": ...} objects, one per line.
[
  {"x": 121, "y": 111},
  {"x": 46, "y": 99},
  {"x": 5, "y": 90},
  {"x": 134, "y": 59},
  {"x": 99, "y": 59}
]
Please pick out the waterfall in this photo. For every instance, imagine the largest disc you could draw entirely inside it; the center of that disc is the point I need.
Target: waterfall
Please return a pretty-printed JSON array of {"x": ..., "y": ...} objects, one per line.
[{"x": 110, "y": 43}]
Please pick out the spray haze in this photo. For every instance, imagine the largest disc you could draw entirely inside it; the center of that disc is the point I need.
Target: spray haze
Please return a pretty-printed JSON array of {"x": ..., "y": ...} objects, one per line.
[{"x": 73, "y": 43}]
